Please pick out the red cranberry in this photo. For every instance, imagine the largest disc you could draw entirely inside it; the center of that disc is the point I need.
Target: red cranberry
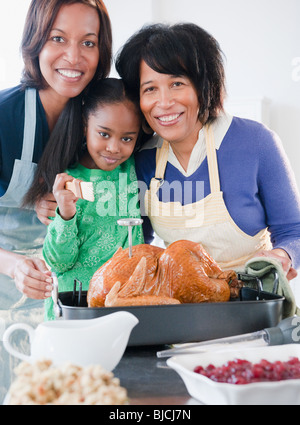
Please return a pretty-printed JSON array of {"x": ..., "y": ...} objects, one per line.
[{"x": 241, "y": 372}]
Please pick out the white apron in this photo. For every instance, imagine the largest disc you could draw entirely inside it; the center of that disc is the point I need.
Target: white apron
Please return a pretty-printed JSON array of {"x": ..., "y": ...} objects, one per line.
[
  {"x": 23, "y": 233},
  {"x": 207, "y": 221}
]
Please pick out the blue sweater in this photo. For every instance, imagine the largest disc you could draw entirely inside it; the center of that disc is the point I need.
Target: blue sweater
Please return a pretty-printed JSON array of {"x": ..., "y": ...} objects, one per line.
[
  {"x": 256, "y": 179},
  {"x": 12, "y": 106}
]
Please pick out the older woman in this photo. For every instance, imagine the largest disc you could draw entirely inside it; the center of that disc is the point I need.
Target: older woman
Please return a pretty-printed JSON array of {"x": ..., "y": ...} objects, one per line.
[
  {"x": 66, "y": 45},
  {"x": 211, "y": 178}
]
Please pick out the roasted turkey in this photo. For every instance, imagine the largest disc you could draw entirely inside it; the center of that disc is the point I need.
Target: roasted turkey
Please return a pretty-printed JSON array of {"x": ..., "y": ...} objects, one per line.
[{"x": 182, "y": 273}]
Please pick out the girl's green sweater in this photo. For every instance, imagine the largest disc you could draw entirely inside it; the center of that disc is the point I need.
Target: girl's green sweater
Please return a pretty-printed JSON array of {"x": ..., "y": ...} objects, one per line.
[{"x": 75, "y": 249}]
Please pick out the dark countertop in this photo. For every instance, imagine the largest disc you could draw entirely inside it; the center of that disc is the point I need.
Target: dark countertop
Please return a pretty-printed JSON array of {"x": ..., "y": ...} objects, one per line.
[{"x": 149, "y": 380}]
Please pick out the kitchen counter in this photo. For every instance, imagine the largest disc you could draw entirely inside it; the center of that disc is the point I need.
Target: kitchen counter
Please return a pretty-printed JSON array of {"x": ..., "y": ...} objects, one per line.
[{"x": 148, "y": 380}]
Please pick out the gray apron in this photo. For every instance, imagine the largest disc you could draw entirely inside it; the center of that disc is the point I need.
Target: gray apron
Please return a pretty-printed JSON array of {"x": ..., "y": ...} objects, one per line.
[{"x": 23, "y": 233}]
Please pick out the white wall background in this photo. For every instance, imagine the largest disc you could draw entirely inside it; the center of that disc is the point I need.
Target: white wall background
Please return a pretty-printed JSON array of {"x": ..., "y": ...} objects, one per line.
[{"x": 260, "y": 39}]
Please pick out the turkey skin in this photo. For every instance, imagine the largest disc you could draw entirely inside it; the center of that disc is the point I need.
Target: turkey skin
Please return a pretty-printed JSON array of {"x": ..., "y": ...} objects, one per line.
[{"x": 182, "y": 273}]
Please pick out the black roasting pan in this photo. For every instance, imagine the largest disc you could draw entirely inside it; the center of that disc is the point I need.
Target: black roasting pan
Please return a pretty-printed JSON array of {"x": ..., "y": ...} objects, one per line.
[{"x": 169, "y": 324}]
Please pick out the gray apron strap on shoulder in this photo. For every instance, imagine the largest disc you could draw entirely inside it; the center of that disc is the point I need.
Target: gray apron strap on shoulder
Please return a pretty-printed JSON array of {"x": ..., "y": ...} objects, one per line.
[
  {"x": 20, "y": 229},
  {"x": 29, "y": 125}
]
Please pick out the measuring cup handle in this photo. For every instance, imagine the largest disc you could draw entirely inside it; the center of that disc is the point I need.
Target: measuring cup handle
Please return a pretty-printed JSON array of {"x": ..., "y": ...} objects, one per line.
[{"x": 6, "y": 336}]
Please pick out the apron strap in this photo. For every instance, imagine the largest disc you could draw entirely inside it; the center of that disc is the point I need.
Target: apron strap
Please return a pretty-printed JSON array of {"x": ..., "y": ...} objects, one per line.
[
  {"x": 161, "y": 162},
  {"x": 29, "y": 125},
  {"x": 162, "y": 159},
  {"x": 212, "y": 160}
]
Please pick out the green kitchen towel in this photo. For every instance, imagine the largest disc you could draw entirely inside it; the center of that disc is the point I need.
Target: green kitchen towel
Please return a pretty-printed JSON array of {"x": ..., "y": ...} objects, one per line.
[{"x": 263, "y": 268}]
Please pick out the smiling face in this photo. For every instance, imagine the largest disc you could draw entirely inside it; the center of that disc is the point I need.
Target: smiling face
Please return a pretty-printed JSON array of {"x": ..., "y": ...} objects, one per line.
[
  {"x": 69, "y": 59},
  {"x": 170, "y": 106},
  {"x": 111, "y": 135}
]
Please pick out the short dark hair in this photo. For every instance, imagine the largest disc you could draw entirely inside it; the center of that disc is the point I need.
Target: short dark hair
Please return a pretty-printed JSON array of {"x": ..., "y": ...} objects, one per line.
[
  {"x": 39, "y": 21},
  {"x": 180, "y": 49}
]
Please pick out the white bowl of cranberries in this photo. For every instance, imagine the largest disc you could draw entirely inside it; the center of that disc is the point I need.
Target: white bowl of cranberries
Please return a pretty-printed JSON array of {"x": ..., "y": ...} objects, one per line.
[{"x": 255, "y": 376}]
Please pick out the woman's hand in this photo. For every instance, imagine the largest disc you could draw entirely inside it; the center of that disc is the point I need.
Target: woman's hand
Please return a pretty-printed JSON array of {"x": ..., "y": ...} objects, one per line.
[
  {"x": 66, "y": 200},
  {"x": 45, "y": 208},
  {"x": 32, "y": 278},
  {"x": 283, "y": 257}
]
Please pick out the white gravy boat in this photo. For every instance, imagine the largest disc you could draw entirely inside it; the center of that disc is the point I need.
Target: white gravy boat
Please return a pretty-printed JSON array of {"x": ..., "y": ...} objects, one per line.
[{"x": 82, "y": 342}]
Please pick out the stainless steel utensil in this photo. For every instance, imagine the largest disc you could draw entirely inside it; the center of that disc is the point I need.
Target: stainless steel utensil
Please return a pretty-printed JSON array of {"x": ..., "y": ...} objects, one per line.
[
  {"x": 130, "y": 222},
  {"x": 286, "y": 332}
]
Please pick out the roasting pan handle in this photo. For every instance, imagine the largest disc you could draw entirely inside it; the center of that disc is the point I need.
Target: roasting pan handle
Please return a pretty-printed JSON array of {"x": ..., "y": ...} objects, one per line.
[
  {"x": 57, "y": 308},
  {"x": 77, "y": 302},
  {"x": 276, "y": 282},
  {"x": 244, "y": 277},
  {"x": 247, "y": 277}
]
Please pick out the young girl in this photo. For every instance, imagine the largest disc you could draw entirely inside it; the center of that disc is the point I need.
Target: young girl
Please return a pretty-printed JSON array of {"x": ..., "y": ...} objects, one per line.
[{"x": 85, "y": 234}]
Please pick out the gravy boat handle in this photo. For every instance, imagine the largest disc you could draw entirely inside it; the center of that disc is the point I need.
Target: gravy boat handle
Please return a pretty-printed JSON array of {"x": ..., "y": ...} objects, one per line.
[{"x": 6, "y": 342}]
